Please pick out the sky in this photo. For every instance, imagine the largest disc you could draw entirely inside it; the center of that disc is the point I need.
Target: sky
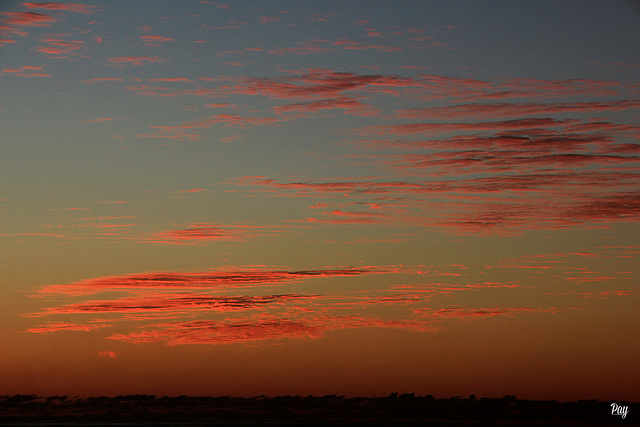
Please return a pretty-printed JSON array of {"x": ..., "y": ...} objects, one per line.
[{"x": 356, "y": 198}]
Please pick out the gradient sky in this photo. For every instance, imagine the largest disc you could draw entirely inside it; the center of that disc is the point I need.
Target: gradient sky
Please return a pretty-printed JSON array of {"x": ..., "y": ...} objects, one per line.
[{"x": 332, "y": 197}]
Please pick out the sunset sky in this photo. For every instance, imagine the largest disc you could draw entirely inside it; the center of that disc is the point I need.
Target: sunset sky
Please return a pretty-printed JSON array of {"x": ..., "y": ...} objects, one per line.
[{"x": 327, "y": 197}]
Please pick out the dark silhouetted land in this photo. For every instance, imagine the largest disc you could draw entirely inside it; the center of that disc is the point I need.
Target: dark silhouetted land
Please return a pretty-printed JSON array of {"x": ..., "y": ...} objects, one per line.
[{"x": 310, "y": 411}]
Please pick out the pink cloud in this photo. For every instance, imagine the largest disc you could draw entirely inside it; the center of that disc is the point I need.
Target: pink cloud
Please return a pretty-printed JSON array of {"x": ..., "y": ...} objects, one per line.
[
  {"x": 25, "y": 71},
  {"x": 155, "y": 41},
  {"x": 350, "y": 104},
  {"x": 103, "y": 79},
  {"x": 71, "y": 7},
  {"x": 59, "y": 47},
  {"x": 98, "y": 120},
  {"x": 134, "y": 60},
  {"x": 107, "y": 353},
  {"x": 172, "y": 79},
  {"x": 307, "y": 47},
  {"x": 331, "y": 84},
  {"x": 352, "y": 45},
  {"x": 269, "y": 19},
  {"x": 318, "y": 84},
  {"x": 221, "y": 105}
]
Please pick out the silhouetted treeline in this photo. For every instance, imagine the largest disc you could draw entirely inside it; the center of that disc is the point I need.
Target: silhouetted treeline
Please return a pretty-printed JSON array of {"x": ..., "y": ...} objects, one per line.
[{"x": 395, "y": 409}]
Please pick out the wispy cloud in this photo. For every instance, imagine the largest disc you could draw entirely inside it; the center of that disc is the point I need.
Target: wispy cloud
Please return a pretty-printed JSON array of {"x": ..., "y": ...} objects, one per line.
[
  {"x": 350, "y": 105},
  {"x": 98, "y": 120},
  {"x": 478, "y": 313},
  {"x": 25, "y": 71},
  {"x": 195, "y": 234},
  {"x": 155, "y": 41},
  {"x": 211, "y": 332},
  {"x": 172, "y": 302},
  {"x": 230, "y": 306},
  {"x": 214, "y": 279},
  {"x": 27, "y": 19},
  {"x": 64, "y": 326},
  {"x": 134, "y": 60},
  {"x": 493, "y": 110},
  {"x": 103, "y": 79},
  {"x": 479, "y": 205},
  {"x": 70, "y": 7}
]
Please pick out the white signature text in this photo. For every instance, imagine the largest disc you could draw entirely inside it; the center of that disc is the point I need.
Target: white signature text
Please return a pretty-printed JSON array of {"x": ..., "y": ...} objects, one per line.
[{"x": 619, "y": 410}]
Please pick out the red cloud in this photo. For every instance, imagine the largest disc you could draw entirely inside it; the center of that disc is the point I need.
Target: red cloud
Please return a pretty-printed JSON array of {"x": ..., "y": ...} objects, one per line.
[
  {"x": 344, "y": 187},
  {"x": 28, "y": 19},
  {"x": 511, "y": 109},
  {"x": 231, "y": 120},
  {"x": 156, "y": 38},
  {"x": 435, "y": 128},
  {"x": 330, "y": 86},
  {"x": 194, "y": 235},
  {"x": 243, "y": 331},
  {"x": 108, "y": 353},
  {"x": 319, "y": 84},
  {"x": 5, "y": 41},
  {"x": 350, "y": 104},
  {"x": 195, "y": 280},
  {"x": 71, "y": 7},
  {"x": 228, "y": 119},
  {"x": 340, "y": 217},
  {"x": 470, "y": 205},
  {"x": 34, "y": 234},
  {"x": 178, "y": 302},
  {"x": 210, "y": 332},
  {"x": 477, "y": 313},
  {"x": 564, "y": 87},
  {"x": 63, "y": 326},
  {"x": 621, "y": 206}
]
